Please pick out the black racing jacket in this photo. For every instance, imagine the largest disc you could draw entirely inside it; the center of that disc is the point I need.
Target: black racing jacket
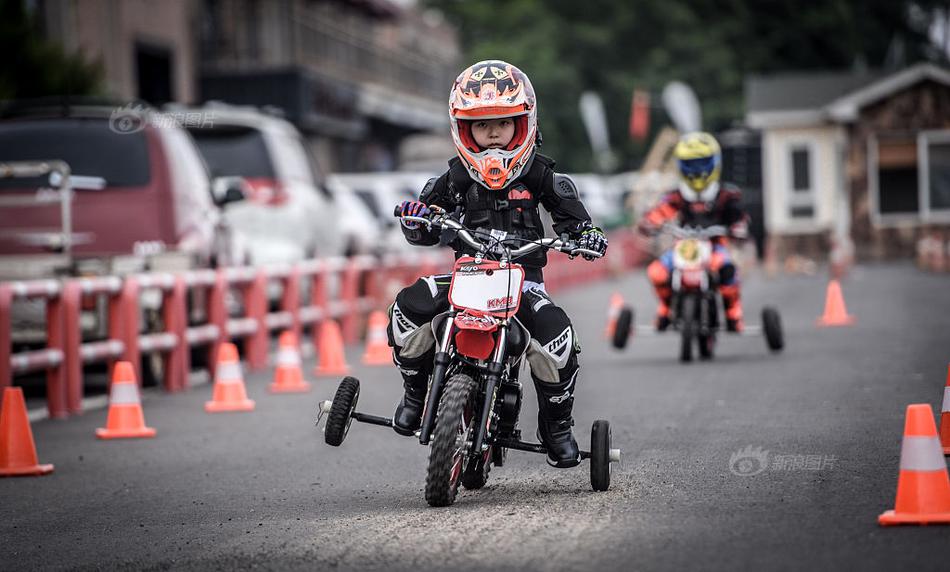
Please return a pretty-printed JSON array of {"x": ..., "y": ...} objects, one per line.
[{"x": 513, "y": 209}]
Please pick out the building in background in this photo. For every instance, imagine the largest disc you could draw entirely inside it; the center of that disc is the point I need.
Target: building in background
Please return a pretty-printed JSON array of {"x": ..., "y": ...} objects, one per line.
[
  {"x": 357, "y": 77},
  {"x": 853, "y": 157},
  {"x": 147, "y": 49}
]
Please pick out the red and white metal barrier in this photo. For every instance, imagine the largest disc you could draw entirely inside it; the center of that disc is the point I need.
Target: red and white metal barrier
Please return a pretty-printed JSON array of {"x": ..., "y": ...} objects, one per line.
[{"x": 339, "y": 288}]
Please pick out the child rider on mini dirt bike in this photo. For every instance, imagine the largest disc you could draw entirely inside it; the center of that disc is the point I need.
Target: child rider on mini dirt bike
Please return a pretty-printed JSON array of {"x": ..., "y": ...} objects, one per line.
[
  {"x": 497, "y": 182},
  {"x": 701, "y": 200}
]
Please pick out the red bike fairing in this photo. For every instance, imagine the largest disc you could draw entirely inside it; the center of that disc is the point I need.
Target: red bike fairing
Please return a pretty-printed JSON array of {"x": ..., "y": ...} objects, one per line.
[{"x": 477, "y": 326}]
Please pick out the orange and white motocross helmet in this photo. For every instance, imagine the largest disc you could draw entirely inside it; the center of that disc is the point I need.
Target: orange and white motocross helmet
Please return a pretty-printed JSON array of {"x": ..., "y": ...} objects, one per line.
[{"x": 494, "y": 89}]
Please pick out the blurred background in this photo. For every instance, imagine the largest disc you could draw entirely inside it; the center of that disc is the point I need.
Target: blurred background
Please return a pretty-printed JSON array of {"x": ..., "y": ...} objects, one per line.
[{"x": 260, "y": 131}]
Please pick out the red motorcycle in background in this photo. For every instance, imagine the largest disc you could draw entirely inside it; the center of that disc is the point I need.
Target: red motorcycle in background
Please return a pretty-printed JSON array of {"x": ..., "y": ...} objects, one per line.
[{"x": 694, "y": 305}]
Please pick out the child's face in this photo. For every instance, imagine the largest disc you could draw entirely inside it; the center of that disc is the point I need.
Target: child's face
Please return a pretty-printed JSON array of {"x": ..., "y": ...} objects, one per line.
[{"x": 493, "y": 133}]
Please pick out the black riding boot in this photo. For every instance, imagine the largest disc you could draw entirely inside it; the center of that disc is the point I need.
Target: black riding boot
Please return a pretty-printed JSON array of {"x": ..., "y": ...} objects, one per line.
[
  {"x": 408, "y": 415},
  {"x": 555, "y": 403}
]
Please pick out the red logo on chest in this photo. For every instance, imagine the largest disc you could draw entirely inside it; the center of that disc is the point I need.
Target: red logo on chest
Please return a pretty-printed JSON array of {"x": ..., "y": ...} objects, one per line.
[{"x": 517, "y": 194}]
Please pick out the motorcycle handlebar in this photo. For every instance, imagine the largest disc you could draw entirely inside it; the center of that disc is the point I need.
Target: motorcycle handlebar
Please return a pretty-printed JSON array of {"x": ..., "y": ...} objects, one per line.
[
  {"x": 694, "y": 232},
  {"x": 443, "y": 221}
]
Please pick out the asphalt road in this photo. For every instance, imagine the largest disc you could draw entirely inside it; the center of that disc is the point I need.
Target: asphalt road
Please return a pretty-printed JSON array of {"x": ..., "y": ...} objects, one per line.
[{"x": 261, "y": 490}]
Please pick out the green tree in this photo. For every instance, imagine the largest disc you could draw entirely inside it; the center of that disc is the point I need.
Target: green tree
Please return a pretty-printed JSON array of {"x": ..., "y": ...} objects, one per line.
[
  {"x": 34, "y": 67},
  {"x": 612, "y": 47}
]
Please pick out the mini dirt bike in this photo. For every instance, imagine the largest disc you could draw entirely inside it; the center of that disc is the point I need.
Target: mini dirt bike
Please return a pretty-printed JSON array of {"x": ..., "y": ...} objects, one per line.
[
  {"x": 694, "y": 308},
  {"x": 471, "y": 410}
]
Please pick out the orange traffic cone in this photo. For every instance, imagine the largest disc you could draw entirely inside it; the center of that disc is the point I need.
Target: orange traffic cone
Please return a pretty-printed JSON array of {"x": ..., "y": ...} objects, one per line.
[
  {"x": 835, "y": 312},
  {"x": 17, "y": 451},
  {"x": 126, "y": 420},
  {"x": 330, "y": 346},
  {"x": 288, "y": 377},
  {"x": 613, "y": 312},
  {"x": 923, "y": 487},
  {"x": 377, "y": 351},
  {"x": 229, "y": 393},
  {"x": 945, "y": 417}
]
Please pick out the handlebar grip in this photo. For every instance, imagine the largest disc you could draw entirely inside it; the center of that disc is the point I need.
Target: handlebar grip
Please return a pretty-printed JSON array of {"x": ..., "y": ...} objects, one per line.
[{"x": 397, "y": 211}]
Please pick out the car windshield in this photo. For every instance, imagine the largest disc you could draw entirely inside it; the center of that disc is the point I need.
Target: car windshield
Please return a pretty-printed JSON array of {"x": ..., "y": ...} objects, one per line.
[
  {"x": 88, "y": 145},
  {"x": 234, "y": 152},
  {"x": 370, "y": 201}
]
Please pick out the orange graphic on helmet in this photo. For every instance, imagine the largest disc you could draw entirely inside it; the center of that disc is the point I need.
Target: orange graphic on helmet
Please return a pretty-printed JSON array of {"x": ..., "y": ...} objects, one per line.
[{"x": 493, "y": 89}]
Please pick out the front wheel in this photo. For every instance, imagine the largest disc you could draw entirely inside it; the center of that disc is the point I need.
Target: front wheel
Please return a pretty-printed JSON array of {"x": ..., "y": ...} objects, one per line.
[
  {"x": 707, "y": 345},
  {"x": 688, "y": 325},
  {"x": 449, "y": 446},
  {"x": 600, "y": 455}
]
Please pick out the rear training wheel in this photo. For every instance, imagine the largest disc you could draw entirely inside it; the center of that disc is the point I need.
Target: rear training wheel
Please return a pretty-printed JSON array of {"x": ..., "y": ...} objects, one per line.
[
  {"x": 623, "y": 328},
  {"x": 772, "y": 328},
  {"x": 341, "y": 412},
  {"x": 600, "y": 455}
]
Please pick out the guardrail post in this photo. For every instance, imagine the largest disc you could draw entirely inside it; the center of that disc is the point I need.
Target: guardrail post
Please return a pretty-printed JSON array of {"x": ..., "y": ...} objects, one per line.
[
  {"x": 6, "y": 338},
  {"x": 124, "y": 325},
  {"x": 318, "y": 298},
  {"x": 72, "y": 339},
  {"x": 255, "y": 303},
  {"x": 349, "y": 294},
  {"x": 55, "y": 376},
  {"x": 218, "y": 315},
  {"x": 290, "y": 301},
  {"x": 175, "y": 317}
]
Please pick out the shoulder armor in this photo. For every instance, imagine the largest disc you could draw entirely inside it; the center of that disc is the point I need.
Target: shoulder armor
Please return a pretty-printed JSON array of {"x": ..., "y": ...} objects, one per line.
[
  {"x": 564, "y": 187},
  {"x": 427, "y": 188}
]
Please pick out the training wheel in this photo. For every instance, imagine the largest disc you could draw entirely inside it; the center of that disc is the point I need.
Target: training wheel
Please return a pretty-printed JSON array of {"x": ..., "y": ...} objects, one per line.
[
  {"x": 772, "y": 328},
  {"x": 601, "y": 455},
  {"x": 341, "y": 409},
  {"x": 623, "y": 328}
]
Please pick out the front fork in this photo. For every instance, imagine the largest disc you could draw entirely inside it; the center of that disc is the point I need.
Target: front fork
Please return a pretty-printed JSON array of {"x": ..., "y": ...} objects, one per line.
[
  {"x": 441, "y": 365},
  {"x": 495, "y": 369}
]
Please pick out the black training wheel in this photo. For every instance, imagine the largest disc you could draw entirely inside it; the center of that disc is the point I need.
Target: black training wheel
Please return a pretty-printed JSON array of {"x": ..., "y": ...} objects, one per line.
[
  {"x": 772, "y": 328},
  {"x": 341, "y": 412},
  {"x": 623, "y": 328},
  {"x": 600, "y": 455}
]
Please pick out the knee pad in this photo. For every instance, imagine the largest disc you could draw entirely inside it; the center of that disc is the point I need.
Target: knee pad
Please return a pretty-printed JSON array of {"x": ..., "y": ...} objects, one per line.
[
  {"x": 409, "y": 318},
  {"x": 658, "y": 274},
  {"x": 552, "y": 353}
]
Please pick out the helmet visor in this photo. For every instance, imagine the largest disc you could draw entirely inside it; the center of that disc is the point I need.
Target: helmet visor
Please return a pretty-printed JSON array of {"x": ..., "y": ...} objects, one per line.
[{"x": 697, "y": 168}]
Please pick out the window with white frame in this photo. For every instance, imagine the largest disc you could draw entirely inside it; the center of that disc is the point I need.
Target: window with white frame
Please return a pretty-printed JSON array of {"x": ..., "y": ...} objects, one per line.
[
  {"x": 934, "y": 174},
  {"x": 895, "y": 170},
  {"x": 910, "y": 177},
  {"x": 801, "y": 198}
]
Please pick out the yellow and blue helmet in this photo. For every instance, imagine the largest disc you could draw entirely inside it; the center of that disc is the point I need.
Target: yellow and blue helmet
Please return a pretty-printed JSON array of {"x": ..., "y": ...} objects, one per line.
[{"x": 699, "y": 159}]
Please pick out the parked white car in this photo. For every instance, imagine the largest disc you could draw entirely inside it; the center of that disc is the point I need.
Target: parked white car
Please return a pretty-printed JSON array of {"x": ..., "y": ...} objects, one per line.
[
  {"x": 363, "y": 231},
  {"x": 289, "y": 214},
  {"x": 381, "y": 192}
]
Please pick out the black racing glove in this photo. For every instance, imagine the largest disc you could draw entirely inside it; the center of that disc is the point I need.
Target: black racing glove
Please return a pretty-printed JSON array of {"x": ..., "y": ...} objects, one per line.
[{"x": 592, "y": 238}]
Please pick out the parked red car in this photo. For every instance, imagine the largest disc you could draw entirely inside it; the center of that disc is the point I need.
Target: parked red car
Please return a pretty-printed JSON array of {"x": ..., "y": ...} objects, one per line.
[{"x": 153, "y": 207}]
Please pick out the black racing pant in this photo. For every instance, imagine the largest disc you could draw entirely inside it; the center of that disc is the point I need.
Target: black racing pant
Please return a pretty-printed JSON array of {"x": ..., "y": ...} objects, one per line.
[{"x": 552, "y": 353}]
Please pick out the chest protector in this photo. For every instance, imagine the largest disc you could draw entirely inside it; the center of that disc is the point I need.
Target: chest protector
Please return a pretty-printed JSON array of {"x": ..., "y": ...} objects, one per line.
[{"x": 513, "y": 209}]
